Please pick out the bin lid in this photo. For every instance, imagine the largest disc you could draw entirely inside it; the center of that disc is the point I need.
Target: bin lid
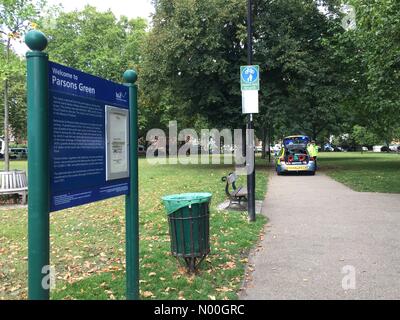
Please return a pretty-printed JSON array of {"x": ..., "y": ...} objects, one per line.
[{"x": 175, "y": 202}]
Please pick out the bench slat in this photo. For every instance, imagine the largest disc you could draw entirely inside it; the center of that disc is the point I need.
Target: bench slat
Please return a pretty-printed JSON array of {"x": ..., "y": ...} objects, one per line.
[
  {"x": 8, "y": 181},
  {"x": 14, "y": 179},
  {"x": 19, "y": 181}
]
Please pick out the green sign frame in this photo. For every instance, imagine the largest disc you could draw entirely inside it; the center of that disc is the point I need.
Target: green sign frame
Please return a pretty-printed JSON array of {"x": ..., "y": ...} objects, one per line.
[
  {"x": 250, "y": 77},
  {"x": 38, "y": 173}
]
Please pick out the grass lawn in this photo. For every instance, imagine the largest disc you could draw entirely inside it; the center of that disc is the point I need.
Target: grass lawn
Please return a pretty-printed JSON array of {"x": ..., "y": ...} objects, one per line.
[
  {"x": 372, "y": 172},
  {"x": 88, "y": 242}
]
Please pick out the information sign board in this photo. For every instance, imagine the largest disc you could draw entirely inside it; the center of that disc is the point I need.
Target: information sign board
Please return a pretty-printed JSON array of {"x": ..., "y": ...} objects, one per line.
[{"x": 78, "y": 104}]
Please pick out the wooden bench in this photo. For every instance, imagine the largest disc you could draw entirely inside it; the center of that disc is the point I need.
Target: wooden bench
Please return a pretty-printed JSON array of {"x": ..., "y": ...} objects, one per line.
[
  {"x": 235, "y": 194},
  {"x": 14, "y": 182}
]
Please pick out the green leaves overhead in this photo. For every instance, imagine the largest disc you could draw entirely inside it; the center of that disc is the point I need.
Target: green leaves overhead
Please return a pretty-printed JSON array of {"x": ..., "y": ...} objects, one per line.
[
  {"x": 95, "y": 42},
  {"x": 371, "y": 53},
  {"x": 192, "y": 59},
  {"x": 16, "y": 18}
]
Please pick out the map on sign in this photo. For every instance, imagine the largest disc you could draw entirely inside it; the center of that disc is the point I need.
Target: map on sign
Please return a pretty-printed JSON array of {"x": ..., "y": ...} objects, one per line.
[{"x": 249, "y": 78}]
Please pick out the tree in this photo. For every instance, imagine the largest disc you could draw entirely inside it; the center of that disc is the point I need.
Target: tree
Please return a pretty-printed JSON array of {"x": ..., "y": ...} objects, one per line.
[
  {"x": 16, "y": 17},
  {"x": 371, "y": 54},
  {"x": 95, "y": 42},
  {"x": 16, "y": 93},
  {"x": 191, "y": 64},
  {"x": 202, "y": 45},
  {"x": 363, "y": 137},
  {"x": 302, "y": 86}
]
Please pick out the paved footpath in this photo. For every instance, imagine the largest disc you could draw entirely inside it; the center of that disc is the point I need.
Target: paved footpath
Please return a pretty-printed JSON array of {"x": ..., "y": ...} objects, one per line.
[{"x": 318, "y": 227}]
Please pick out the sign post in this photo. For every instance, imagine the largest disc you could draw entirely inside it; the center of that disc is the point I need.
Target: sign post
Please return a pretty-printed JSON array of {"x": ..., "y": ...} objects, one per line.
[
  {"x": 250, "y": 84},
  {"x": 82, "y": 133},
  {"x": 131, "y": 201},
  {"x": 250, "y": 77},
  {"x": 38, "y": 167}
]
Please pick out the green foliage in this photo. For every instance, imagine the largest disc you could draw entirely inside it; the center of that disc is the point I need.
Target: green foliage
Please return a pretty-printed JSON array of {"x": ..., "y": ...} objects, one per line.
[
  {"x": 301, "y": 83},
  {"x": 371, "y": 55},
  {"x": 16, "y": 94},
  {"x": 364, "y": 137},
  {"x": 16, "y": 18},
  {"x": 202, "y": 45},
  {"x": 191, "y": 63},
  {"x": 95, "y": 42}
]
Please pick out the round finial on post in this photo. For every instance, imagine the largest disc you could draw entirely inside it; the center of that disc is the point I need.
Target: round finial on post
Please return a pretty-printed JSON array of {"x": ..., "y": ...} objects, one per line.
[
  {"x": 130, "y": 76},
  {"x": 36, "y": 40}
]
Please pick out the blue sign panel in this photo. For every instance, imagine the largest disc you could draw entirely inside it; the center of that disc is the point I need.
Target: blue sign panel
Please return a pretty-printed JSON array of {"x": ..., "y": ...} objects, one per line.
[
  {"x": 77, "y": 137},
  {"x": 250, "y": 74}
]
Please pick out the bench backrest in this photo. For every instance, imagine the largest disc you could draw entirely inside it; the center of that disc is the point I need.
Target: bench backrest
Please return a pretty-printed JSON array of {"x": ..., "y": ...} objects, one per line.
[
  {"x": 10, "y": 180},
  {"x": 230, "y": 179}
]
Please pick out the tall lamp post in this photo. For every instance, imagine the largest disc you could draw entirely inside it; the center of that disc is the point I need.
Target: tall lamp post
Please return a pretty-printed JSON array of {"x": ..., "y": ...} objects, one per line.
[{"x": 251, "y": 181}]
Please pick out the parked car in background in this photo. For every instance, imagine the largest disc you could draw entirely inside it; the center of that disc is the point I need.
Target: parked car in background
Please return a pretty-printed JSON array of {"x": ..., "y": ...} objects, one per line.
[
  {"x": 377, "y": 148},
  {"x": 328, "y": 147},
  {"x": 394, "y": 147},
  {"x": 18, "y": 153}
]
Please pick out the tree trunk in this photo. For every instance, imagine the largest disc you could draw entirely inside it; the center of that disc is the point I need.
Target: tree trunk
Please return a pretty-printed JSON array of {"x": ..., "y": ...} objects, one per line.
[
  {"x": 264, "y": 145},
  {"x": 6, "y": 154},
  {"x": 269, "y": 144}
]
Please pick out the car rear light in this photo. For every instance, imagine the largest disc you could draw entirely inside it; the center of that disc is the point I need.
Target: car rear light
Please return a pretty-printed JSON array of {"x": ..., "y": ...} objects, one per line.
[
  {"x": 302, "y": 158},
  {"x": 290, "y": 158}
]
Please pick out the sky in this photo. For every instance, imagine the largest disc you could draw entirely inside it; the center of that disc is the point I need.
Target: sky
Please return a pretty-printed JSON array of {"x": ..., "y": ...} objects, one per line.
[{"x": 129, "y": 8}]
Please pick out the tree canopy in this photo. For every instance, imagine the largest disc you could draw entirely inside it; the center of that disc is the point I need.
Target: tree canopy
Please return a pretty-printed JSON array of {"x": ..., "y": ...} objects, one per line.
[
  {"x": 317, "y": 77},
  {"x": 95, "y": 42}
]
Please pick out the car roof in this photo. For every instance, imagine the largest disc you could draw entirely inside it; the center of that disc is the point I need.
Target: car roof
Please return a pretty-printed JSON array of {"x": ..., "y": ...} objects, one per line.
[
  {"x": 297, "y": 136},
  {"x": 296, "y": 139}
]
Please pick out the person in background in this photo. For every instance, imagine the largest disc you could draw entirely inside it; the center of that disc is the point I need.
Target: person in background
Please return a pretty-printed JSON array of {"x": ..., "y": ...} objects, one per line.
[{"x": 312, "y": 149}]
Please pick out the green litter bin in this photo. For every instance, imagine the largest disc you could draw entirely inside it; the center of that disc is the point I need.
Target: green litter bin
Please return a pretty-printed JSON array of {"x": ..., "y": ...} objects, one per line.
[{"x": 188, "y": 219}]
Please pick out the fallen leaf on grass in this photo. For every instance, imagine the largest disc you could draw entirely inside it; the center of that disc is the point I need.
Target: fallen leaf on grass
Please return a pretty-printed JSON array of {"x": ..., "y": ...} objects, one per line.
[
  {"x": 229, "y": 265},
  {"x": 224, "y": 289},
  {"x": 147, "y": 294}
]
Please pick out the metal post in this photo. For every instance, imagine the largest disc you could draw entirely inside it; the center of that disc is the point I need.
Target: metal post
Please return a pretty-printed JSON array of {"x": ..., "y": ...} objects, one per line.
[
  {"x": 38, "y": 167},
  {"x": 251, "y": 176},
  {"x": 131, "y": 200}
]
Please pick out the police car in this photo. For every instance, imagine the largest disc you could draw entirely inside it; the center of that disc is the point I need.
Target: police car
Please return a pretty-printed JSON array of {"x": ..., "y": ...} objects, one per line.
[{"x": 294, "y": 157}]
